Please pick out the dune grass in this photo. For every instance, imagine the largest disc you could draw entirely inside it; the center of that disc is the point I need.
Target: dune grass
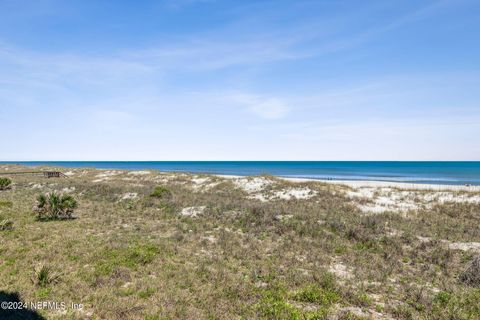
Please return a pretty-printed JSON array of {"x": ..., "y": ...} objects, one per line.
[{"x": 241, "y": 258}]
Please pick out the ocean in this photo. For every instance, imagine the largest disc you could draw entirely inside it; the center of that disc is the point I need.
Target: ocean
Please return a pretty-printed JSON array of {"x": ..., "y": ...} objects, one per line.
[{"x": 428, "y": 172}]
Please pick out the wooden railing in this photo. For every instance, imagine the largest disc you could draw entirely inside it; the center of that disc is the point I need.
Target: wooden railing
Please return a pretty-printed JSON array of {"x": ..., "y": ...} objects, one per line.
[{"x": 46, "y": 174}]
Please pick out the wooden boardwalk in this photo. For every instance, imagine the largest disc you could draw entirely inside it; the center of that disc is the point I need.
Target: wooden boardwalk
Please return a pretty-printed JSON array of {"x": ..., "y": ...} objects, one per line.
[{"x": 46, "y": 174}]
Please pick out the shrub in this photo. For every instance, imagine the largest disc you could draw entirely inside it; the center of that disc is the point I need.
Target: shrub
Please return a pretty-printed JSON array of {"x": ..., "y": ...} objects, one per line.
[
  {"x": 5, "y": 183},
  {"x": 471, "y": 275},
  {"x": 55, "y": 206},
  {"x": 161, "y": 192},
  {"x": 44, "y": 276}
]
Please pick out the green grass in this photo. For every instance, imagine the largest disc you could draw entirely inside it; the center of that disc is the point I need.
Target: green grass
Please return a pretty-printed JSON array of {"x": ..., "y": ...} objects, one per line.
[
  {"x": 317, "y": 295},
  {"x": 147, "y": 293},
  {"x": 6, "y": 204},
  {"x": 130, "y": 257},
  {"x": 274, "y": 306}
]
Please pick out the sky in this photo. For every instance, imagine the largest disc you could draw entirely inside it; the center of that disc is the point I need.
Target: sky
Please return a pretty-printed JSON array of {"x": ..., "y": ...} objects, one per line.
[{"x": 240, "y": 80}]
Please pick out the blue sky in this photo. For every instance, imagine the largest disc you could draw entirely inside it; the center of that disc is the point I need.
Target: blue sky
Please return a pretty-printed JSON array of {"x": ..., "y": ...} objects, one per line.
[{"x": 240, "y": 80}]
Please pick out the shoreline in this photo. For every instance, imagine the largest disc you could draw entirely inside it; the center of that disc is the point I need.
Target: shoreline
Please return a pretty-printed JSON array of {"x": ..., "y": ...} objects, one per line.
[
  {"x": 348, "y": 183},
  {"x": 399, "y": 185},
  {"x": 375, "y": 184}
]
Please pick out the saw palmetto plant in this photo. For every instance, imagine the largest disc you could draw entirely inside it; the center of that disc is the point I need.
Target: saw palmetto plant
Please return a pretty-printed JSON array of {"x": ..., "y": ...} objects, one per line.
[{"x": 55, "y": 206}]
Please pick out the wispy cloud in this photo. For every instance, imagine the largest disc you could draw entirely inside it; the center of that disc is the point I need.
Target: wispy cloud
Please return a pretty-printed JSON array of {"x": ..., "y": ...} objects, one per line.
[
  {"x": 264, "y": 107},
  {"x": 278, "y": 68},
  {"x": 205, "y": 55},
  {"x": 207, "y": 51}
]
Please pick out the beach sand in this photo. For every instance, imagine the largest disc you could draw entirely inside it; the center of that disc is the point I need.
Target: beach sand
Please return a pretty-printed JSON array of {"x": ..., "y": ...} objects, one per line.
[
  {"x": 379, "y": 184},
  {"x": 399, "y": 185}
]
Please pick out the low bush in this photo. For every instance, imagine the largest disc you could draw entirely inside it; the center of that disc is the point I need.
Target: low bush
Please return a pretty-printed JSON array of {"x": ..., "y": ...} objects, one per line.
[
  {"x": 5, "y": 183},
  {"x": 161, "y": 192},
  {"x": 55, "y": 206}
]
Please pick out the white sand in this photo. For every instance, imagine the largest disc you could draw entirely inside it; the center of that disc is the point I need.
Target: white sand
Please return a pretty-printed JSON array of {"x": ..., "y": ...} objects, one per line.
[
  {"x": 380, "y": 196},
  {"x": 341, "y": 271},
  {"x": 295, "y": 193},
  {"x": 374, "y": 184},
  {"x": 68, "y": 190},
  {"x": 388, "y": 184},
  {"x": 283, "y": 217},
  {"x": 300, "y": 193},
  {"x": 371, "y": 197},
  {"x": 192, "y": 211},
  {"x": 465, "y": 246},
  {"x": 108, "y": 174},
  {"x": 129, "y": 196},
  {"x": 139, "y": 173},
  {"x": 382, "y": 199},
  {"x": 250, "y": 184},
  {"x": 203, "y": 183}
]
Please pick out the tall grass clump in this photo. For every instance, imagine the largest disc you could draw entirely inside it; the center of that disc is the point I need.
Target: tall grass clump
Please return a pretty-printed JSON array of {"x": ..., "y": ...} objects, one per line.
[
  {"x": 5, "y": 183},
  {"x": 55, "y": 206},
  {"x": 6, "y": 224},
  {"x": 471, "y": 275},
  {"x": 44, "y": 276}
]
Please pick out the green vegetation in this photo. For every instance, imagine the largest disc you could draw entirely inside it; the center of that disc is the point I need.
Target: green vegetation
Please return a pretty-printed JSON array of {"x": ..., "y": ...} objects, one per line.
[
  {"x": 134, "y": 254},
  {"x": 161, "y": 192},
  {"x": 54, "y": 206},
  {"x": 275, "y": 304},
  {"x": 6, "y": 224},
  {"x": 6, "y": 204},
  {"x": 45, "y": 276},
  {"x": 315, "y": 294},
  {"x": 130, "y": 257},
  {"x": 5, "y": 183},
  {"x": 147, "y": 293}
]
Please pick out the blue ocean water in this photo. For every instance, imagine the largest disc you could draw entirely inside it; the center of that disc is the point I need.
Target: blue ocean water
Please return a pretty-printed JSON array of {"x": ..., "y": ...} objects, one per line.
[{"x": 431, "y": 172}]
